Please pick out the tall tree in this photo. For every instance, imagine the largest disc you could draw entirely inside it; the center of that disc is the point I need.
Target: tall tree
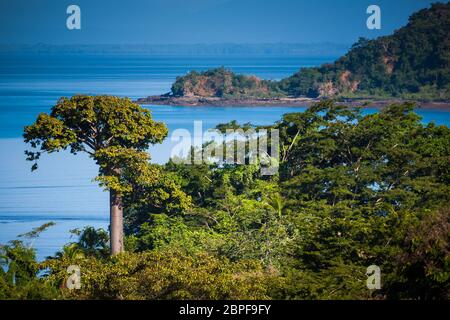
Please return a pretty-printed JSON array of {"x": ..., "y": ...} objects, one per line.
[{"x": 114, "y": 132}]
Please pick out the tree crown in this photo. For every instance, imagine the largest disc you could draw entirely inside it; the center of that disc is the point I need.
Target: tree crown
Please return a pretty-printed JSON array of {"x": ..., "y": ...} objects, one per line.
[{"x": 114, "y": 131}]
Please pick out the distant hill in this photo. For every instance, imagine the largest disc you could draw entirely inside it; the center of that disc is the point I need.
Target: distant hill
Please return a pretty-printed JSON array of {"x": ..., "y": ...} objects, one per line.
[
  {"x": 289, "y": 49},
  {"x": 223, "y": 83},
  {"x": 412, "y": 63}
]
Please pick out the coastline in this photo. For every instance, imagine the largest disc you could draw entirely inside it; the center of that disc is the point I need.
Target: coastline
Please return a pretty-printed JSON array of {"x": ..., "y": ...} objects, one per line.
[{"x": 280, "y": 102}]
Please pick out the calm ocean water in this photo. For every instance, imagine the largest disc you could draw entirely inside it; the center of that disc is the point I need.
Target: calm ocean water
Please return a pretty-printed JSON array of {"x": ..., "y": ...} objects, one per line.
[{"x": 62, "y": 189}]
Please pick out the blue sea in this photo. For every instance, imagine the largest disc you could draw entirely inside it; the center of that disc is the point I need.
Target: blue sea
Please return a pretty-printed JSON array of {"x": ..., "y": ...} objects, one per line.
[{"x": 62, "y": 190}]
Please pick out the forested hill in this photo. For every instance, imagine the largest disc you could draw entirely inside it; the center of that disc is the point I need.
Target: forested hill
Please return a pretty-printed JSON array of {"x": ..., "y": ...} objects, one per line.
[{"x": 414, "y": 63}]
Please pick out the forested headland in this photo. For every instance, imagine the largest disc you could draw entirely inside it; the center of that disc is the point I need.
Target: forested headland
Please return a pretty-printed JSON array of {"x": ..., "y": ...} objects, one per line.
[{"x": 412, "y": 63}]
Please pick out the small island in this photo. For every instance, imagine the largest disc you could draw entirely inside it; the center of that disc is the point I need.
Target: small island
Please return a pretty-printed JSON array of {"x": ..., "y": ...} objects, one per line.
[{"x": 410, "y": 65}]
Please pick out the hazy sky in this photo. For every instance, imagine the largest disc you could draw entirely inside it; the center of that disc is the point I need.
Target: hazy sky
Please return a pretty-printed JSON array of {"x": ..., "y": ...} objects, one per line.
[{"x": 199, "y": 21}]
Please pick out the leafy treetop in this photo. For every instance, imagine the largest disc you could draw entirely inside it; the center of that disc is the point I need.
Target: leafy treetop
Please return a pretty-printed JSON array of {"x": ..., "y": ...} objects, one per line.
[{"x": 114, "y": 131}]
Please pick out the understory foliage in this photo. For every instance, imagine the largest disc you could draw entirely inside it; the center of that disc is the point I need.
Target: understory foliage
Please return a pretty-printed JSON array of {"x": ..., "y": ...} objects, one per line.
[
  {"x": 352, "y": 191},
  {"x": 168, "y": 274}
]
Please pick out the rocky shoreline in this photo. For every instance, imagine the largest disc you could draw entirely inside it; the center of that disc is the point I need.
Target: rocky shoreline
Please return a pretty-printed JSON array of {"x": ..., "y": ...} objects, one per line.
[{"x": 278, "y": 102}]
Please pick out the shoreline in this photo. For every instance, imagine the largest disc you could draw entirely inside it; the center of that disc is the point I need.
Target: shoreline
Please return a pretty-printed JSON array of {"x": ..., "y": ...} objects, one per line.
[{"x": 281, "y": 102}]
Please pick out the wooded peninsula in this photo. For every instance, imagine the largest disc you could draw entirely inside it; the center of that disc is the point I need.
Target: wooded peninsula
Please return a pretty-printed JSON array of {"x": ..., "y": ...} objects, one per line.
[{"x": 410, "y": 65}]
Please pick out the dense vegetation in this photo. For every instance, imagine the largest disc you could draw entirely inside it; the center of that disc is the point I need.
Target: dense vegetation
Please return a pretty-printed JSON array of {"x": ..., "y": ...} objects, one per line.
[
  {"x": 112, "y": 131},
  {"x": 351, "y": 191},
  {"x": 413, "y": 63},
  {"x": 222, "y": 83}
]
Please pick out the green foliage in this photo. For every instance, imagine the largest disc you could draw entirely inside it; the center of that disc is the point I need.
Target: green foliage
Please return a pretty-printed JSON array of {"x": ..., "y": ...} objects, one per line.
[
  {"x": 164, "y": 275},
  {"x": 37, "y": 231},
  {"x": 92, "y": 242},
  {"x": 352, "y": 191},
  {"x": 158, "y": 193},
  {"x": 423, "y": 266},
  {"x": 18, "y": 274},
  {"x": 162, "y": 231},
  {"x": 113, "y": 131}
]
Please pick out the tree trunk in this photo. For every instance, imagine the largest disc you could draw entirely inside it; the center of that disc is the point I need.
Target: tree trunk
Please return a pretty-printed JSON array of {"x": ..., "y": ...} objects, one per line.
[{"x": 116, "y": 223}]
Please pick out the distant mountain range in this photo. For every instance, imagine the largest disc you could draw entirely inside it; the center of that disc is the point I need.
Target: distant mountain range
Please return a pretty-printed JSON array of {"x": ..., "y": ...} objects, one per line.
[{"x": 294, "y": 49}]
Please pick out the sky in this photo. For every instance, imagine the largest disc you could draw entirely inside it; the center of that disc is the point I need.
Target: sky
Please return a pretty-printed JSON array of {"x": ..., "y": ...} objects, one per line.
[{"x": 199, "y": 21}]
